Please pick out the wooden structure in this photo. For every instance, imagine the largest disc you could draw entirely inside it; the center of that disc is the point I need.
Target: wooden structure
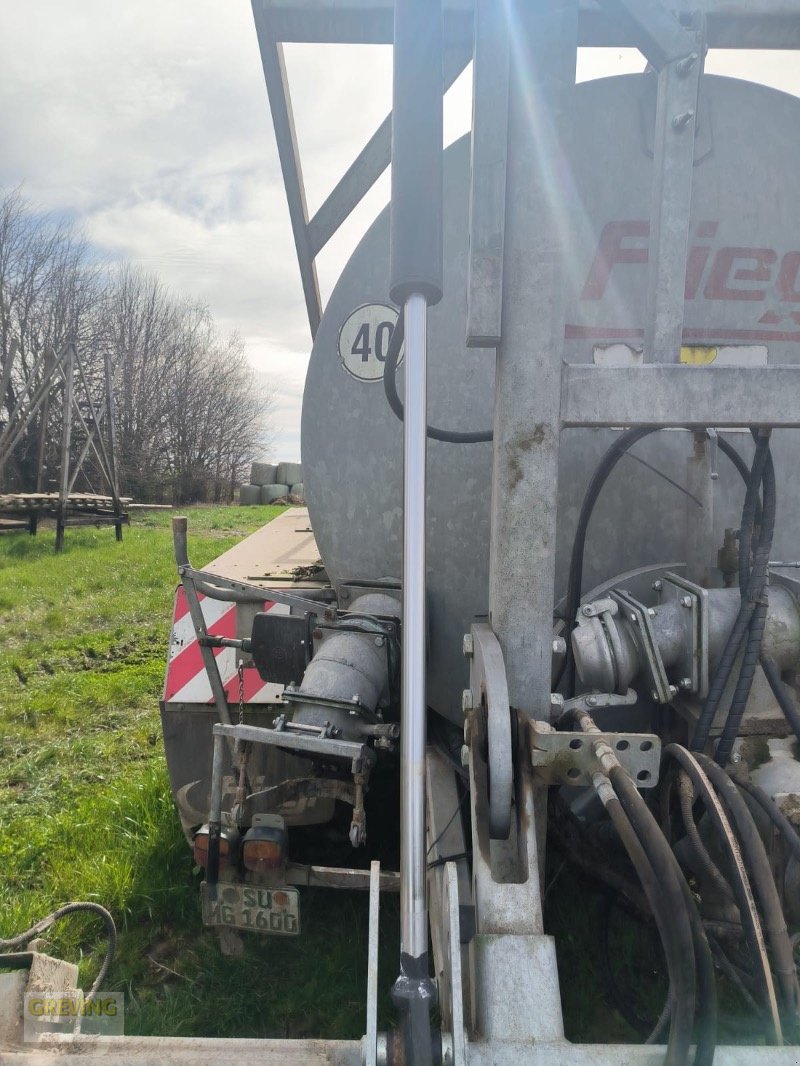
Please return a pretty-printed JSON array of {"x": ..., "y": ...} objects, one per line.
[{"x": 86, "y": 431}]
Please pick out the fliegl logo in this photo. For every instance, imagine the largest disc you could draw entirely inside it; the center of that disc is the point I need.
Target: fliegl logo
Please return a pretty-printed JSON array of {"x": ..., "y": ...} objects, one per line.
[
  {"x": 764, "y": 282},
  {"x": 73, "y": 1013}
]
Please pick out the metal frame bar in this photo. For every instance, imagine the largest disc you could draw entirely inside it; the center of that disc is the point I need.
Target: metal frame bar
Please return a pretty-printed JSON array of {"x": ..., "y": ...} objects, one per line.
[
  {"x": 327, "y": 746},
  {"x": 277, "y": 82},
  {"x": 311, "y": 235},
  {"x": 670, "y": 210},
  {"x": 487, "y": 209},
  {"x": 670, "y": 395},
  {"x": 739, "y": 24},
  {"x": 367, "y": 167}
]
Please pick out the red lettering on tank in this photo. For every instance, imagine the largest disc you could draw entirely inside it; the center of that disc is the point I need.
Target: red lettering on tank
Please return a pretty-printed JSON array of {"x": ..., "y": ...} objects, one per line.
[
  {"x": 612, "y": 250},
  {"x": 787, "y": 278},
  {"x": 698, "y": 259},
  {"x": 724, "y": 271}
]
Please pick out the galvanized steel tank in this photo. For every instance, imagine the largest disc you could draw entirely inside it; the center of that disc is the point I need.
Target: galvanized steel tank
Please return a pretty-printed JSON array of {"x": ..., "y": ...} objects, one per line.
[{"x": 743, "y": 296}]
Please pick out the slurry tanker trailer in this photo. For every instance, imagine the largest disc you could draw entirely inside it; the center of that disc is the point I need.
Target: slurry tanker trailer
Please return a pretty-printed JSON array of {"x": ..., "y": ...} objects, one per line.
[{"x": 550, "y": 438}]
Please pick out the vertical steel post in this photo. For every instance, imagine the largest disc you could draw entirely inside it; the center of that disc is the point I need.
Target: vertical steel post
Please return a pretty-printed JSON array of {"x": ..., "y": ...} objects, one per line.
[
  {"x": 528, "y": 377},
  {"x": 671, "y": 204}
]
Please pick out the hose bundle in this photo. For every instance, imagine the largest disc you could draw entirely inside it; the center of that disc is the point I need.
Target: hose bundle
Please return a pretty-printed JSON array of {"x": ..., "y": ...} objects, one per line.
[
  {"x": 746, "y": 877},
  {"x": 747, "y": 634},
  {"x": 692, "y": 1002}
]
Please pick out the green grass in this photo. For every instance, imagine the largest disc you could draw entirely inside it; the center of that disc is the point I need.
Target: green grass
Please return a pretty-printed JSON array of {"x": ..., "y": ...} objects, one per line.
[
  {"x": 86, "y": 813},
  {"x": 85, "y": 806}
]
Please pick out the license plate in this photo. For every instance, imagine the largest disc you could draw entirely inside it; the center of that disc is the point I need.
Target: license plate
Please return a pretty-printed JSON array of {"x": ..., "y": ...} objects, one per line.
[{"x": 262, "y": 910}]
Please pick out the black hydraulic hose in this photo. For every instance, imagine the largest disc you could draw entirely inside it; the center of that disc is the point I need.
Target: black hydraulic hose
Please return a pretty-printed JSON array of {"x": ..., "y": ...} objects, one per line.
[
  {"x": 686, "y": 797},
  {"x": 769, "y": 667},
  {"x": 740, "y": 883},
  {"x": 679, "y": 965},
  {"x": 741, "y": 627},
  {"x": 593, "y": 490},
  {"x": 744, "y": 684},
  {"x": 721, "y": 676},
  {"x": 72, "y": 908},
  {"x": 684, "y": 913},
  {"x": 760, "y": 873},
  {"x": 728, "y": 450},
  {"x": 784, "y": 700},
  {"x": 396, "y": 404},
  {"x": 771, "y": 809},
  {"x": 756, "y": 595},
  {"x": 601, "y": 474},
  {"x": 746, "y": 532}
]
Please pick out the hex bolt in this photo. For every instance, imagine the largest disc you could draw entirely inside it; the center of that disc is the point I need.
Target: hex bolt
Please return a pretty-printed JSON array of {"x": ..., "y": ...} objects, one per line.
[
  {"x": 654, "y": 695},
  {"x": 466, "y": 700},
  {"x": 673, "y": 690},
  {"x": 686, "y": 601},
  {"x": 680, "y": 122},
  {"x": 686, "y": 683},
  {"x": 559, "y": 646},
  {"x": 464, "y": 755},
  {"x": 379, "y": 642},
  {"x": 556, "y": 703},
  {"x": 650, "y": 612},
  {"x": 587, "y": 610},
  {"x": 658, "y": 586},
  {"x": 684, "y": 66},
  {"x": 468, "y": 645},
  {"x": 634, "y": 618},
  {"x": 591, "y": 701}
]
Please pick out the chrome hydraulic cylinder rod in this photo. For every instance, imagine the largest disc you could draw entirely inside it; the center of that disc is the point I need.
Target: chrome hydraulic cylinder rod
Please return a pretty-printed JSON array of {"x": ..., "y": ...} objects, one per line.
[
  {"x": 415, "y": 284},
  {"x": 413, "y": 914}
]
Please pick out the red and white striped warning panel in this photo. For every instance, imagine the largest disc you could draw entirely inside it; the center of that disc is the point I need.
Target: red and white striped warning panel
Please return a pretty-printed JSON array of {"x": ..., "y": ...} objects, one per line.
[{"x": 187, "y": 680}]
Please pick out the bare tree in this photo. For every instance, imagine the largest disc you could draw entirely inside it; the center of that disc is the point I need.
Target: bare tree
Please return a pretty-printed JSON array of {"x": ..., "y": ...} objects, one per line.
[
  {"x": 191, "y": 413},
  {"x": 50, "y": 293}
]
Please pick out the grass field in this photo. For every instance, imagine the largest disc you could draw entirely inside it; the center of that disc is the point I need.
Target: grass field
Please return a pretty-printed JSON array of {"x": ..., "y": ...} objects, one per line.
[
  {"x": 86, "y": 813},
  {"x": 85, "y": 807}
]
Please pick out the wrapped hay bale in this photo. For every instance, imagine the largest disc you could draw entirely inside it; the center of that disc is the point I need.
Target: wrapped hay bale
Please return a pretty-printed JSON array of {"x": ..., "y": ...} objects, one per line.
[
  {"x": 290, "y": 473},
  {"x": 299, "y": 491},
  {"x": 270, "y": 493},
  {"x": 249, "y": 495},
  {"x": 263, "y": 474}
]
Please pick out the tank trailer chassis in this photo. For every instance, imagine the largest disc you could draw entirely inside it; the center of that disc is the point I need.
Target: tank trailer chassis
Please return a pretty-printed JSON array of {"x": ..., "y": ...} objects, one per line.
[{"x": 644, "y": 640}]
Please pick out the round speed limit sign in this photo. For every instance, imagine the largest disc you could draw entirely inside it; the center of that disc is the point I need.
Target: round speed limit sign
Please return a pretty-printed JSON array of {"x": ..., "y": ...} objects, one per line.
[{"x": 364, "y": 341}]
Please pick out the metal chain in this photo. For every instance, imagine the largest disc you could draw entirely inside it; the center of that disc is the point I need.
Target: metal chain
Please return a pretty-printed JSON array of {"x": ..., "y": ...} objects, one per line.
[{"x": 240, "y": 674}]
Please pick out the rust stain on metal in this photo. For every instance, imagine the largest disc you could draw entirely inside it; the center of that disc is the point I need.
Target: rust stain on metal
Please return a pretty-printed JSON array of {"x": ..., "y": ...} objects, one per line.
[{"x": 515, "y": 449}]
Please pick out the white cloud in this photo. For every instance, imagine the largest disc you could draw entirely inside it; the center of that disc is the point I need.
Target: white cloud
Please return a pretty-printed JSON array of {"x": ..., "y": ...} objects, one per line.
[{"x": 147, "y": 120}]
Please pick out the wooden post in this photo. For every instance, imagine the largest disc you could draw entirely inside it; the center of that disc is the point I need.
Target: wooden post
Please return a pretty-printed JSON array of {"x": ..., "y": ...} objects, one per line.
[
  {"x": 49, "y": 370},
  {"x": 66, "y": 435},
  {"x": 112, "y": 446}
]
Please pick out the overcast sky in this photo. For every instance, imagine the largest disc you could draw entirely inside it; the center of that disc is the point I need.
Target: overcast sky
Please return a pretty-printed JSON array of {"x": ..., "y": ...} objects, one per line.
[{"x": 147, "y": 122}]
